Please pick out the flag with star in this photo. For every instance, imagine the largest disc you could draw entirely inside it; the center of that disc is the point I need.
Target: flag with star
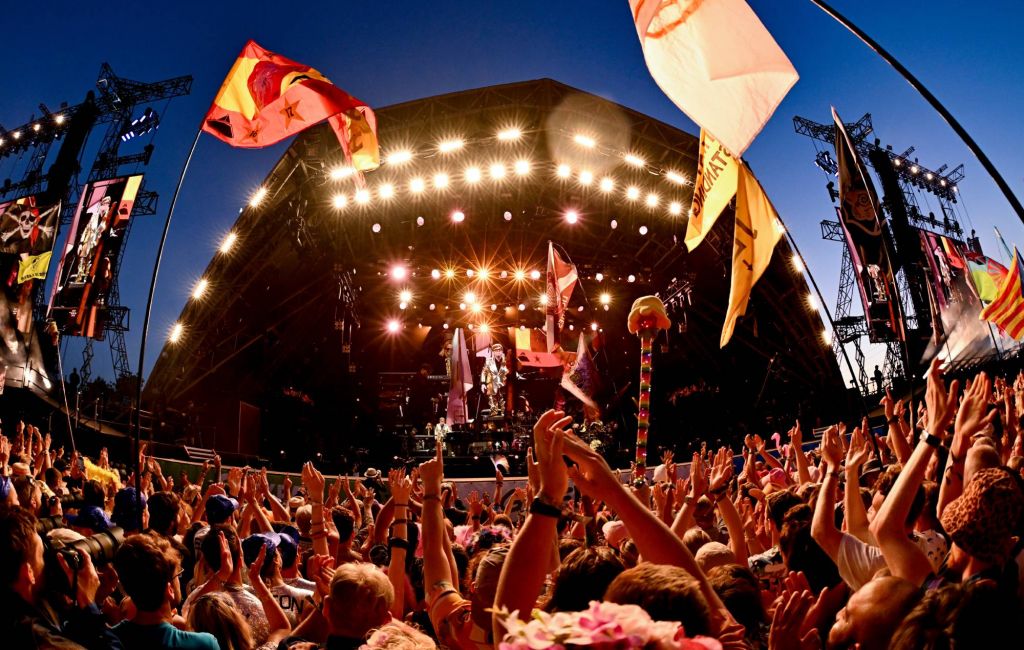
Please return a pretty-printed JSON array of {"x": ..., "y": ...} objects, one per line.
[{"x": 267, "y": 97}]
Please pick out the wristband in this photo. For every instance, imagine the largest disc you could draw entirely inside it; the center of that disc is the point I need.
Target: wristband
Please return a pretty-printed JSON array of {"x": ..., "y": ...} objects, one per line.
[
  {"x": 539, "y": 507},
  {"x": 892, "y": 420},
  {"x": 431, "y": 497},
  {"x": 930, "y": 440},
  {"x": 397, "y": 542}
]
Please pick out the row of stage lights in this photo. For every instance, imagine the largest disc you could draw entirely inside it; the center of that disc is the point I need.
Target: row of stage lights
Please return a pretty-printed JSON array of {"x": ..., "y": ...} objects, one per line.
[
  {"x": 15, "y": 136},
  {"x": 809, "y": 299},
  {"x": 395, "y": 325},
  {"x": 400, "y": 272},
  {"x": 915, "y": 169}
]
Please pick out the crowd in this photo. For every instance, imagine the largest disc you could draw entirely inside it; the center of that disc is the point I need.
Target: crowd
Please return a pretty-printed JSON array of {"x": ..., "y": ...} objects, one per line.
[{"x": 910, "y": 539}]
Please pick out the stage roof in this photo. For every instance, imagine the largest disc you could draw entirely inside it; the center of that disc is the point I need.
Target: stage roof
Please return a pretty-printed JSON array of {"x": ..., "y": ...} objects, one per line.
[{"x": 480, "y": 181}]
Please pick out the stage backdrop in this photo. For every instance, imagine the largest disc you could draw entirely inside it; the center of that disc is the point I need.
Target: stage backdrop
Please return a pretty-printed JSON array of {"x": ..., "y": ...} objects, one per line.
[{"x": 87, "y": 264}]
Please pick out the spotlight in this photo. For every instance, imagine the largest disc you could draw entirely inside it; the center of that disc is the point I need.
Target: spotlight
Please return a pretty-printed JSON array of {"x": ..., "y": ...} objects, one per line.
[
  {"x": 362, "y": 196},
  {"x": 59, "y": 119},
  {"x": 458, "y": 216},
  {"x": 571, "y": 327},
  {"x": 340, "y": 201},
  {"x": 475, "y": 308},
  {"x": 510, "y": 134},
  {"x": 632, "y": 192},
  {"x": 535, "y": 275},
  {"x": 375, "y": 227},
  {"x": 522, "y": 167},
  {"x": 494, "y": 307},
  {"x": 563, "y": 171},
  {"x": 440, "y": 180},
  {"x": 417, "y": 185},
  {"x": 447, "y": 146},
  {"x": 676, "y": 177},
  {"x": 403, "y": 305},
  {"x": 585, "y": 141},
  {"x": 651, "y": 200},
  {"x": 507, "y": 216},
  {"x": 798, "y": 263},
  {"x": 522, "y": 307},
  {"x": 519, "y": 275},
  {"x": 572, "y": 216},
  {"x": 257, "y": 196},
  {"x": 200, "y": 288},
  {"x": 484, "y": 273},
  {"x": 176, "y": 332},
  {"x": 586, "y": 177},
  {"x": 394, "y": 326},
  {"x": 472, "y": 174},
  {"x": 342, "y": 171},
  {"x": 544, "y": 299},
  {"x": 634, "y": 160},
  {"x": 470, "y": 273},
  {"x": 497, "y": 171},
  {"x": 36, "y": 127},
  {"x": 599, "y": 277},
  {"x": 405, "y": 295},
  {"x": 630, "y": 278},
  {"x": 432, "y": 307},
  {"x": 229, "y": 242},
  {"x": 614, "y": 224},
  {"x": 825, "y": 339},
  {"x": 915, "y": 169},
  {"x": 436, "y": 274},
  {"x": 449, "y": 273},
  {"x": 386, "y": 191},
  {"x": 469, "y": 297},
  {"x": 675, "y": 208},
  {"x": 580, "y": 309},
  {"x": 606, "y": 299},
  {"x": 485, "y": 328},
  {"x": 643, "y": 230},
  {"x": 607, "y": 184},
  {"x": 812, "y": 302},
  {"x": 399, "y": 157},
  {"x": 929, "y": 176},
  {"x": 445, "y": 326},
  {"x": 420, "y": 221},
  {"x": 503, "y": 275},
  {"x": 399, "y": 272},
  {"x": 897, "y": 162},
  {"x": 593, "y": 327}
]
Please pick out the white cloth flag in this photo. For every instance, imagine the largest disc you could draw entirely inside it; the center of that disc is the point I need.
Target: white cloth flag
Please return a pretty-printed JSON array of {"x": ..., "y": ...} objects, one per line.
[
  {"x": 716, "y": 62},
  {"x": 462, "y": 380}
]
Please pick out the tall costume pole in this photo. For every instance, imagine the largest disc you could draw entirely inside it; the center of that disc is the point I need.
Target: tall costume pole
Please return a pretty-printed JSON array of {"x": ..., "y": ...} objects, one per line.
[
  {"x": 1004, "y": 187},
  {"x": 645, "y": 319}
]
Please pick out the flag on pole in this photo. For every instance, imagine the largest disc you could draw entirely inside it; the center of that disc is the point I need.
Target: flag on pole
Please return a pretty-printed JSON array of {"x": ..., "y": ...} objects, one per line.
[
  {"x": 461, "y": 380},
  {"x": 561, "y": 280},
  {"x": 986, "y": 275},
  {"x": 717, "y": 173},
  {"x": 581, "y": 379},
  {"x": 757, "y": 231},
  {"x": 1006, "y": 311},
  {"x": 716, "y": 61},
  {"x": 267, "y": 97},
  {"x": 1002, "y": 242}
]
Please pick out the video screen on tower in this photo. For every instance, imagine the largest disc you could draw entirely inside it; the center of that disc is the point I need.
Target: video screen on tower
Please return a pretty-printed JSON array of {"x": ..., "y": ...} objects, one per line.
[{"x": 88, "y": 262}]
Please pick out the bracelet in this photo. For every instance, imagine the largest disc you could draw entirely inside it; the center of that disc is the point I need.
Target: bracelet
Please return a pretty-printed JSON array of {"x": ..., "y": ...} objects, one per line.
[
  {"x": 429, "y": 497},
  {"x": 539, "y": 507},
  {"x": 397, "y": 542},
  {"x": 930, "y": 440},
  {"x": 832, "y": 472}
]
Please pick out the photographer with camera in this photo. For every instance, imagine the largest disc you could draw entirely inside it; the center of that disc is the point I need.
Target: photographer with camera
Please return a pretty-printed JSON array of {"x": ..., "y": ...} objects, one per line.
[{"x": 28, "y": 616}]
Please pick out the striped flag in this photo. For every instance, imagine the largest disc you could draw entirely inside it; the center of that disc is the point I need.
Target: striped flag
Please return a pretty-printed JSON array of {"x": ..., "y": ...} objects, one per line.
[{"x": 1007, "y": 310}]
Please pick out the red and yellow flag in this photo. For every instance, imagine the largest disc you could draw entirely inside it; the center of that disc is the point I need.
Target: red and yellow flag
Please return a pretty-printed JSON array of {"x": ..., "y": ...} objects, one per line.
[
  {"x": 267, "y": 97},
  {"x": 1006, "y": 311}
]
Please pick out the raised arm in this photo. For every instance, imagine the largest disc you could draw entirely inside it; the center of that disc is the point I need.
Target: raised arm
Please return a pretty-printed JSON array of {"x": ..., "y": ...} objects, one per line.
[
  {"x": 721, "y": 472},
  {"x": 823, "y": 525},
  {"x": 856, "y": 516},
  {"x": 438, "y": 574},
  {"x": 313, "y": 481},
  {"x": 401, "y": 486},
  {"x": 796, "y": 441},
  {"x": 971, "y": 418},
  {"x": 897, "y": 439}
]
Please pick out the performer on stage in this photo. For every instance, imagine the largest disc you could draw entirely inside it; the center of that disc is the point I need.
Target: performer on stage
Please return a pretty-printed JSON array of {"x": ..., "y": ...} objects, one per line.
[
  {"x": 493, "y": 378},
  {"x": 90, "y": 238},
  {"x": 441, "y": 431},
  {"x": 446, "y": 356}
]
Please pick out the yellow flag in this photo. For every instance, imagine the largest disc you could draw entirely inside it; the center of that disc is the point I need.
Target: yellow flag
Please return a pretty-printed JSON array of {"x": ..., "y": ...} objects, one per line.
[
  {"x": 758, "y": 230},
  {"x": 717, "y": 173},
  {"x": 33, "y": 267}
]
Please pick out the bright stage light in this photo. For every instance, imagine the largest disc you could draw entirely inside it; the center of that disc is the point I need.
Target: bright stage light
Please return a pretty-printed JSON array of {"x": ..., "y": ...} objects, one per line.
[
  {"x": 643, "y": 230},
  {"x": 375, "y": 227},
  {"x": 929, "y": 176},
  {"x": 177, "y": 330},
  {"x": 449, "y": 273},
  {"x": 510, "y": 134},
  {"x": 519, "y": 275},
  {"x": 417, "y": 185},
  {"x": 535, "y": 275},
  {"x": 448, "y": 146},
  {"x": 497, "y": 171},
  {"x": 675, "y": 177},
  {"x": 399, "y": 272},
  {"x": 631, "y": 278},
  {"x": 339, "y": 201},
  {"x": 634, "y": 160},
  {"x": 445, "y": 326},
  {"x": 475, "y": 308},
  {"x": 258, "y": 197},
  {"x": 432, "y": 307},
  {"x": 229, "y": 242},
  {"x": 897, "y": 162},
  {"x": 399, "y": 157},
  {"x": 386, "y": 191},
  {"x": 435, "y": 274},
  {"x": 462, "y": 305},
  {"x": 599, "y": 276},
  {"x": 473, "y": 174},
  {"x": 812, "y": 302},
  {"x": 469, "y": 297},
  {"x": 200, "y": 289},
  {"x": 606, "y": 299},
  {"x": 607, "y": 184},
  {"x": 571, "y": 327},
  {"x": 593, "y": 327},
  {"x": 362, "y": 196},
  {"x": 494, "y": 307},
  {"x": 915, "y": 169},
  {"x": 563, "y": 171},
  {"x": 36, "y": 127},
  {"x": 614, "y": 224},
  {"x": 342, "y": 171},
  {"x": 572, "y": 216},
  {"x": 420, "y": 221},
  {"x": 470, "y": 273},
  {"x": 17, "y": 135},
  {"x": 586, "y": 177},
  {"x": 652, "y": 200},
  {"x": 585, "y": 141},
  {"x": 503, "y": 275},
  {"x": 405, "y": 295},
  {"x": 522, "y": 167},
  {"x": 441, "y": 180},
  {"x": 544, "y": 299},
  {"x": 825, "y": 338},
  {"x": 458, "y": 216},
  {"x": 798, "y": 263},
  {"x": 507, "y": 216},
  {"x": 675, "y": 208},
  {"x": 394, "y": 326},
  {"x": 58, "y": 118},
  {"x": 632, "y": 192},
  {"x": 485, "y": 328},
  {"x": 522, "y": 307},
  {"x": 484, "y": 273},
  {"x": 403, "y": 305}
]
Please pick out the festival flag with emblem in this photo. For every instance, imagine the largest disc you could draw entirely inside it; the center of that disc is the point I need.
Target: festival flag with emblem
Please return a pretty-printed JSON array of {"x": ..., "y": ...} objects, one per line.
[
  {"x": 267, "y": 97},
  {"x": 581, "y": 379},
  {"x": 462, "y": 380},
  {"x": 1006, "y": 311},
  {"x": 717, "y": 173},
  {"x": 757, "y": 231},
  {"x": 986, "y": 275},
  {"x": 716, "y": 62},
  {"x": 561, "y": 280}
]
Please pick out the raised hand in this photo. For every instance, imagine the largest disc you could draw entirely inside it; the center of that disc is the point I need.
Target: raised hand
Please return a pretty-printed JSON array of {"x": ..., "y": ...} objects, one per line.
[
  {"x": 941, "y": 403},
  {"x": 532, "y": 470},
  {"x": 432, "y": 472},
  {"x": 227, "y": 565},
  {"x": 549, "y": 437},
  {"x": 401, "y": 486},
  {"x": 788, "y": 620},
  {"x": 287, "y": 483},
  {"x": 255, "y": 579},
  {"x": 698, "y": 479},
  {"x": 831, "y": 448},
  {"x": 721, "y": 470},
  {"x": 313, "y": 481},
  {"x": 859, "y": 452},
  {"x": 592, "y": 475},
  {"x": 476, "y": 506},
  {"x": 973, "y": 416}
]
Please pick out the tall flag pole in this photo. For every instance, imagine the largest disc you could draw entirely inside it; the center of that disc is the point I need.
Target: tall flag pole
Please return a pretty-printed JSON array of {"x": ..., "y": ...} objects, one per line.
[{"x": 645, "y": 319}]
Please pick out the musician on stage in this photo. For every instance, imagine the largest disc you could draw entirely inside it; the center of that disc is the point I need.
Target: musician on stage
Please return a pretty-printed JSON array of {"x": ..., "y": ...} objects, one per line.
[{"x": 493, "y": 379}]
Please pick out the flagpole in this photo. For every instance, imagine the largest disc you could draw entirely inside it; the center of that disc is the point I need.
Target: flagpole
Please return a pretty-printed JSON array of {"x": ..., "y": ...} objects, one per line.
[
  {"x": 935, "y": 103},
  {"x": 145, "y": 325}
]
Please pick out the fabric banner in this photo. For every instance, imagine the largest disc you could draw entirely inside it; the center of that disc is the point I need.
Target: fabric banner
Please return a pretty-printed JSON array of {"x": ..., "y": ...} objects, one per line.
[
  {"x": 757, "y": 231},
  {"x": 267, "y": 97},
  {"x": 717, "y": 174},
  {"x": 34, "y": 267},
  {"x": 1007, "y": 310},
  {"x": 27, "y": 229},
  {"x": 581, "y": 379},
  {"x": 861, "y": 218},
  {"x": 987, "y": 275},
  {"x": 716, "y": 61},
  {"x": 561, "y": 280},
  {"x": 462, "y": 380}
]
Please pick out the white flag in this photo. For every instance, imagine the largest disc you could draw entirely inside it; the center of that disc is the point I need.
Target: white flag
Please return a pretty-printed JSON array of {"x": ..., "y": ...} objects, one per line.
[
  {"x": 462, "y": 380},
  {"x": 717, "y": 63}
]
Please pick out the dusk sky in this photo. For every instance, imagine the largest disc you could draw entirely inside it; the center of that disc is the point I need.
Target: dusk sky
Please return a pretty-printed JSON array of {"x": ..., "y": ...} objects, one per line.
[{"x": 389, "y": 52}]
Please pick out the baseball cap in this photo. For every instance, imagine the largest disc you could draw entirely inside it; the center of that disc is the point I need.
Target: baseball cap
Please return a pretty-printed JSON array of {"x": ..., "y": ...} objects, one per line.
[
  {"x": 252, "y": 544},
  {"x": 219, "y": 509},
  {"x": 126, "y": 509},
  {"x": 90, "y": 517}
]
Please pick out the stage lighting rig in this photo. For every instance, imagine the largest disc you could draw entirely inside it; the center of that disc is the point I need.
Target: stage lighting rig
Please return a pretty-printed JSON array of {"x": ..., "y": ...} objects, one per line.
[{"x": 148, "y": 121}]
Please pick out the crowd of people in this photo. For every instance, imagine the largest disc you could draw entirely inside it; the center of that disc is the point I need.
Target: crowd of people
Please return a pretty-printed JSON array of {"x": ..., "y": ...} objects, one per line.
[{"x": 910, "y": 539}]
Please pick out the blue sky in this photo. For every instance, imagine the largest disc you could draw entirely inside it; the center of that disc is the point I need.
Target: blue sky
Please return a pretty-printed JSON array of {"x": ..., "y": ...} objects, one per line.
[{"x": 388, "y": 52}]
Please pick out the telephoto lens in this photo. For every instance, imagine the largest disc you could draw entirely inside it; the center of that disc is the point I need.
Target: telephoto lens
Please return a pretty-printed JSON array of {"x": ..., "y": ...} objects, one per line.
[
  {"x": 46, "y": 524},
  {"x": 100, "y": 547}
]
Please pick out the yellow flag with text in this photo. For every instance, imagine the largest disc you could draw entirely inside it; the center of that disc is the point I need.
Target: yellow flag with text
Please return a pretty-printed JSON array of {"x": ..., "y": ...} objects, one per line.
[
  {"x": 33, "y": 267},
  {"x": 717, "y": 173},
  {"x": 758, "y": 230}
]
